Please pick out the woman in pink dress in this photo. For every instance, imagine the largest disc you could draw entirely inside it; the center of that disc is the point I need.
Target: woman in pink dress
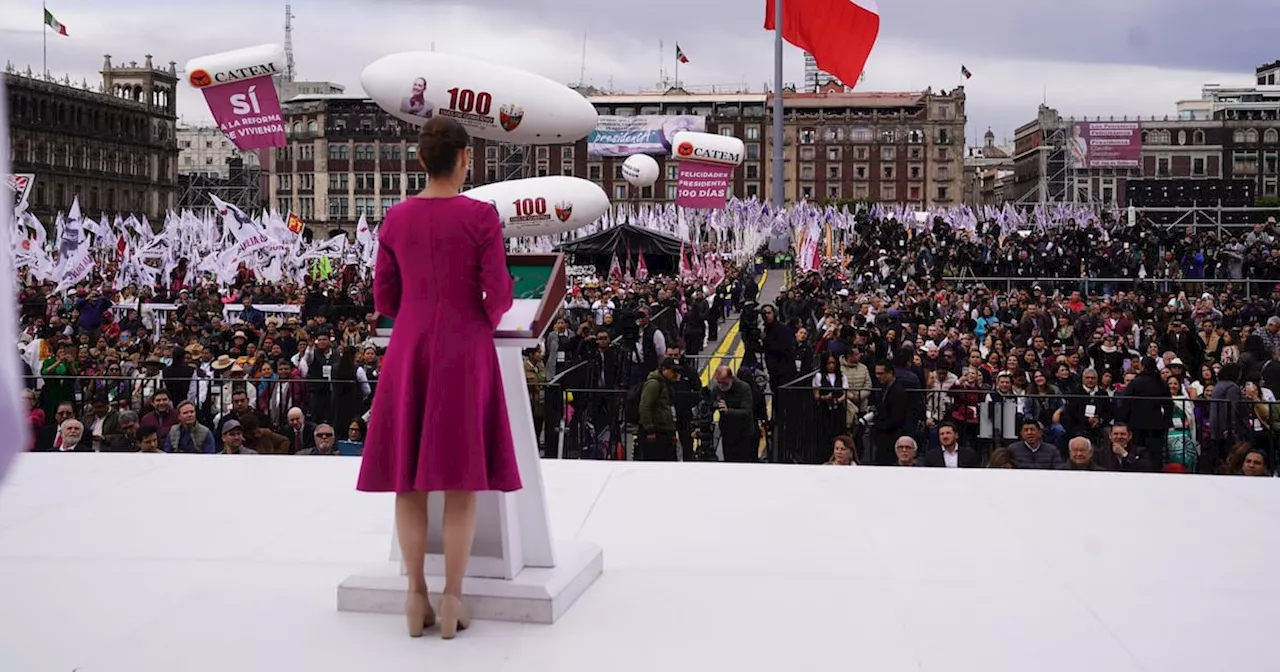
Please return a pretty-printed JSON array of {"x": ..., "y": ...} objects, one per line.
[{"x": 439, "y": 420}]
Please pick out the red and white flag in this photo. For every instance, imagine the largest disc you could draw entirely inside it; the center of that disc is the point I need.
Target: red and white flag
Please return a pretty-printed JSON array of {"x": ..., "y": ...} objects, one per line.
[{"x": 839, "y": 33}]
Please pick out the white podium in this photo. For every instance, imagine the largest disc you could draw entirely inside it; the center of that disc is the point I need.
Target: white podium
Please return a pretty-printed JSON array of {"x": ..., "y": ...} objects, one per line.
[{"x": 517, "y": 572}]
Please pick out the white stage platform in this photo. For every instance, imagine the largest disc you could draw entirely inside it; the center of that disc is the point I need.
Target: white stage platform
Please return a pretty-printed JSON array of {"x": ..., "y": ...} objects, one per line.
[{"x": 137, "y": 563}]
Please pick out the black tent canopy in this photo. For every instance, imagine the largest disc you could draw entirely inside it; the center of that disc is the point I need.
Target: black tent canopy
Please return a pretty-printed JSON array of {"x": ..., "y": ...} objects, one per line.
[{"x": 622, "y": 238}]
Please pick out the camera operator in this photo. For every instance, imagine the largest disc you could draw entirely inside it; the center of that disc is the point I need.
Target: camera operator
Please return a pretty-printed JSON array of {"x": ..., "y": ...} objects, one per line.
[
  {"x": 739, "y": 434},
  {"x": 686, "y": 391}
]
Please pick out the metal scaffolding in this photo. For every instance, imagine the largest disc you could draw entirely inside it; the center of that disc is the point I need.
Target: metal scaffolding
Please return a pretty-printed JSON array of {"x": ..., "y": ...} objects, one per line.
[{"x": 242, "y": 188}]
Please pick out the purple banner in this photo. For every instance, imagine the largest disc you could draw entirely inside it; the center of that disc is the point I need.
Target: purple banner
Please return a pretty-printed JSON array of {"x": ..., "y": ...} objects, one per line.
[
  {"x": 703, "y": 185},
  {"x": 248, "y": 112},
  {"x": 1105, "y": 144}
]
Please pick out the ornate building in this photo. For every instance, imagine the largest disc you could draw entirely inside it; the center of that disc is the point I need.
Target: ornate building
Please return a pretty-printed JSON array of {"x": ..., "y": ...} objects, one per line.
[
  {"x": 347, "y": 158},
  {"x": 115, "y": 149}
]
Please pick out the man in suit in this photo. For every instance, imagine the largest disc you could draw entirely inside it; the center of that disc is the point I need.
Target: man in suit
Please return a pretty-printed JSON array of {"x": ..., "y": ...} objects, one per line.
[
  {"x": 1123, "y": 454},
  {"x": 300, "y": 432},
  {"x": 949, "y": 453},
  {"x": 890, "y": 419}
]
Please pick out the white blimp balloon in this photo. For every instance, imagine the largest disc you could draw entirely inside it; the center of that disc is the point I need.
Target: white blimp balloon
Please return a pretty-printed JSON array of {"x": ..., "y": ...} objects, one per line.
[
  {"x": 640, "y": 170},
  {"x": 233, "y": 66},
  {"x": 493, "y": 102},
  {"x": 708, "y": 148},
  {"x": 543, "y": 206}
]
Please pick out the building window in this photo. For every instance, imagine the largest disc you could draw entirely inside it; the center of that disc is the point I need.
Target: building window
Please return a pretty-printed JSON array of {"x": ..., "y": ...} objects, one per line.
[
  {"x": 753, "y": 152},
  {"x": 1197, "y": 167},
  {"x": 942, "y": 192},
  {"x": 888, "y": 192},
  {"x": 753, "y": 133},
  {"x": 752, "y": 171},
  {"x": 387, "y": 204},
  {"x": 337, "y": 207},
  {"x": 566, "y": 168},
  {"x": 862, "y": 134},
  {"x": 619, "y": 192},
  {"x": 807, "y": 136},
  {"x": 338, "y": 182},
  {"x": 339, "y": 152},
  {"x": 806, "y": 171},
  {"x": 594, "y": 171},
  {"x": 671, "y": 192},
  {"x": 1244, "y": 163},
  {"x": 888, "y": 153},
  {"x": 807, "y": 153},
  {"x": 833, "y": 153}
]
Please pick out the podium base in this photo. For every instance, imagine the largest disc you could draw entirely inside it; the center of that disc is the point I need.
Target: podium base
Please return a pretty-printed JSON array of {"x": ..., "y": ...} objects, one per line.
[{"x": 536, "y": 595}]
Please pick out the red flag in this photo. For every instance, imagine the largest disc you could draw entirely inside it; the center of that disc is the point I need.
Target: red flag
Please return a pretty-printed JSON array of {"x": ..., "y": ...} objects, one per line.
[{"x": 839, "y": 33}]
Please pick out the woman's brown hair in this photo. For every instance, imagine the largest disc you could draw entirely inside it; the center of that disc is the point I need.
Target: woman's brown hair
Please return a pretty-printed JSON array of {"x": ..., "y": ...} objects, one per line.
[{"x": 439, "y": 142}]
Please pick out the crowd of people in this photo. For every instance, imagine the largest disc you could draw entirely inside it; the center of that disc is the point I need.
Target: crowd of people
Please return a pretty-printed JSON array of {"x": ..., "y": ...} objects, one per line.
[{"x": 879, "y": 356}]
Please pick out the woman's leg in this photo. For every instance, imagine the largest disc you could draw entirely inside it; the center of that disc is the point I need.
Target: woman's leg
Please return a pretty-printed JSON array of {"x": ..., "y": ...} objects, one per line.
[
  {"x": 459, "y": 532},
  {"x": 411, "y": 528}
]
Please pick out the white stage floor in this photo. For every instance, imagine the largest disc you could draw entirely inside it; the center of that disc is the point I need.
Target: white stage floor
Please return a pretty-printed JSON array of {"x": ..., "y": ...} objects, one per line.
[{"x": 136, "y": 563}]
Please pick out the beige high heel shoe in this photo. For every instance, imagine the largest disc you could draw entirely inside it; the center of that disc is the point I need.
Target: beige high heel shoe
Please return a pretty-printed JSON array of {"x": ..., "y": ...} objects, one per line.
[
  {"x": 418, "y": 614},
  {"x": 454, "y": 616}
]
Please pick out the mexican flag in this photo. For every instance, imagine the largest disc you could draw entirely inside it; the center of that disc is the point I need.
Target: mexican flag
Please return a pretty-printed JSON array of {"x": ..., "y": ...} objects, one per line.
[{"x": 54, "y": 23}]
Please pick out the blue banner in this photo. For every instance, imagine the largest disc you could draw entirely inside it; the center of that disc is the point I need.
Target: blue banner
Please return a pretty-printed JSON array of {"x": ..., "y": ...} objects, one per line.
[{"x": 649, "y": 134}]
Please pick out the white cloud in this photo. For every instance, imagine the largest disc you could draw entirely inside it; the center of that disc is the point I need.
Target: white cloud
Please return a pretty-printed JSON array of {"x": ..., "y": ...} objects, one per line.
[{"x": 335, "y": 42}]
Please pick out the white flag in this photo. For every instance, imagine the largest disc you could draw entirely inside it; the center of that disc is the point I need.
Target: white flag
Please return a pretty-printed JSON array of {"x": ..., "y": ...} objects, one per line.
[{"x": 12, "y": 425}]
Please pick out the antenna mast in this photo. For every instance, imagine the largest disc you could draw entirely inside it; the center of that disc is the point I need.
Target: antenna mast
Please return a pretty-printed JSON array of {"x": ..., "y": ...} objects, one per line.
[{"x": 289, "y": 71}]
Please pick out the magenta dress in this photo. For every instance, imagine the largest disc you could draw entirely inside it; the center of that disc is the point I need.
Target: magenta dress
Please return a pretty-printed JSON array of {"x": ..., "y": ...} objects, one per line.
[{"x": 439, "y": 419}]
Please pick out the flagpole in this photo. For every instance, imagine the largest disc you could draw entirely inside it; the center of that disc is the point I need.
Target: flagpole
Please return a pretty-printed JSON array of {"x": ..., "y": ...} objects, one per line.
[
  {"x": 677, "y": 64},
  {"x": 779, "y": 161}
]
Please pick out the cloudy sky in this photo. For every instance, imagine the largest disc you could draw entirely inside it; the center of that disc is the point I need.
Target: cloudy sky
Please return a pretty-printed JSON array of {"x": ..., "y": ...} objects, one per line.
[{"x": 1090, "y": 57}]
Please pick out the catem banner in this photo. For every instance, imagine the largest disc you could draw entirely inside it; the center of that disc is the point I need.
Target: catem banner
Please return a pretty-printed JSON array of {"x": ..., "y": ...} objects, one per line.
[
  {"x": 618, "y": 136},
  {"x": 241, "y": 94}
]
